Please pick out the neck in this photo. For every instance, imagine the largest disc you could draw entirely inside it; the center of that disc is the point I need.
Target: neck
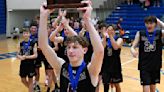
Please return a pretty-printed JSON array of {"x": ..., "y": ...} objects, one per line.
[
  {"x": 33, "y": 33},
  {"x": 26, "y": 40},
  {"x": 151, "y": 30},
  {"x": 76, "y": 63}
]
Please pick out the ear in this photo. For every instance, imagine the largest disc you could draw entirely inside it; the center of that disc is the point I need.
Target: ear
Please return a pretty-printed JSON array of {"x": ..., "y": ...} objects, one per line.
[{"x": 85, "y": 50}]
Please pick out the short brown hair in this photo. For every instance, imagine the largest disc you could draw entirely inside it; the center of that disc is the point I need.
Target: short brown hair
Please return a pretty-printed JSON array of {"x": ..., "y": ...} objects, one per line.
[
  {"x": 33, "y": 23},
  {"x": 113, "y": 26},
  {"x": 74, "y": 39},
  {"x": 150, "y": 19},
  {"x": 26, "y": 30}
]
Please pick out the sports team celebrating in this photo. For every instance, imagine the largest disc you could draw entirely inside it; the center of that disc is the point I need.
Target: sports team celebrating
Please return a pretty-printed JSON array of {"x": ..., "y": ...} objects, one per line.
[{"x": 77, "y": 61}]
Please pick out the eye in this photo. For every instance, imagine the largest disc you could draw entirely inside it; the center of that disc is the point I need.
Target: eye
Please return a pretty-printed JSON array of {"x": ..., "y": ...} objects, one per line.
[
  {"x": 68, "y": 47},
  {"x": 75, "y": 47}
]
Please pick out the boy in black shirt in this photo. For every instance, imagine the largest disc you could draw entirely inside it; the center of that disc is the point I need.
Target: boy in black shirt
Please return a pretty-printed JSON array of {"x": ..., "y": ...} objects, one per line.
[
  {"x": 150, "y": 54},
  {"x": 85, "y": 76},
  {"x": 111, "y": 68},
  {"x": 27, "y": 52}
]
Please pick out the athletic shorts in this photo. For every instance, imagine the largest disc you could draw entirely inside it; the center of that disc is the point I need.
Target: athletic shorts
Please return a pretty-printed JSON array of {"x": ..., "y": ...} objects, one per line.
[
  {"x": 115, "y": 77},
  {"x": 149, "y": 77},
  {"x": 27, "y": 69},
  {"x": 39, "y": 59}
]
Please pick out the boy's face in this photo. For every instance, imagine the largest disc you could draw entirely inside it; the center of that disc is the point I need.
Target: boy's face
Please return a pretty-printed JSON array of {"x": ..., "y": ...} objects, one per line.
[
  {"x": 76, "y": 25},
  {"x": 66, "y": 32},
  {"x": 103, "y": 29},
  {"x": 110, "y": 30},
  {"x": 33, "y": 29},
  {"x": 150, "y": 25},
  {"x": 26, "y": 35},
  {"x": 75, "y": 52}
]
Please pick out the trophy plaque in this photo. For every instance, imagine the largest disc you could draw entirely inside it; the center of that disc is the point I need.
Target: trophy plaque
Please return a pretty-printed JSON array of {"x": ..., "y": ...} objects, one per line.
[{"x": 64, "y": 4}]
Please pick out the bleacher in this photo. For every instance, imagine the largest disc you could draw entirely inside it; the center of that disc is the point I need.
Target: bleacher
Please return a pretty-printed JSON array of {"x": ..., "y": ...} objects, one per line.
[
  {"x": 2, "y": 17},
  {"x": 133, "y": 17}
]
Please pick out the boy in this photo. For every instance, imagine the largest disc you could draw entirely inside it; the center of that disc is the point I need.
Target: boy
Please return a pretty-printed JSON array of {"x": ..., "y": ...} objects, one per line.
[
  {"x": 85, "y": 76},
  {"x": 111, "y": 69},
  {"x": 40, "y": 57},
  {"x": 27, "y": 51},
  {"x": 150, "y": 54}
]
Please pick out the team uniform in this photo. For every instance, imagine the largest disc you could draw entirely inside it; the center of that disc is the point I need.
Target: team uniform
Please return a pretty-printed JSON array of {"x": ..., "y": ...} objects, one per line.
[
  {"x": 40, "y": 57},
  {"x": 62, "y": 50},
  {"x": 27, "y": 66},
  {"x": 150, "y": 58},
  {"x": 88, "y": 55},
  {"x": 111, "y": 67},
  {"x": 84, "y": 82},
  {"x": 34, "y": 38}
]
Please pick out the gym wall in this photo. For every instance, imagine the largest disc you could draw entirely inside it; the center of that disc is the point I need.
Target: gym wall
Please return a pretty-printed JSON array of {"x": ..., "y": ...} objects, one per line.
[{"x": 2, "y": 17}]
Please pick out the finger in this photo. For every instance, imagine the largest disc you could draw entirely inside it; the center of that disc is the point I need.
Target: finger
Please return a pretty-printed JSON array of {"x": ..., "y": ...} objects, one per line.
[
  {"x": 65, "y": 13},
  {"x": 59, "y": 9},
  {"x": 59, "y": 12},
  {"x": 82, "y": 9},
  {"x": 88, "y": 2},
  {"x": 52, "y": 10}
]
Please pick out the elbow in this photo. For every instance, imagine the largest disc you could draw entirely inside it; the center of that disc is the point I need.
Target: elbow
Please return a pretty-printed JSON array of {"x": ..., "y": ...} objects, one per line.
[
  {"x": 36, "y": 55},
  {"x": 116, "y": 47}
]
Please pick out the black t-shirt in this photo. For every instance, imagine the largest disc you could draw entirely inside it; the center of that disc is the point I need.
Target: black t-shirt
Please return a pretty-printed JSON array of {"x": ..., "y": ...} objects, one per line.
[
  {"x": 34, "y": 38},
  {"x": 111, "y": 61},
  {"x": 88, "y": 55},
  {"x": 29, "y": 51},
  {"x": 150, "y": 58},
  {"x": 62, "y": 50},
  {"x": 84, "y": 84}
]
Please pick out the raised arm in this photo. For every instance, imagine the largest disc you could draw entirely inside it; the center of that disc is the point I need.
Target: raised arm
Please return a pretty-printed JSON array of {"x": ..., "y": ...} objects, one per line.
[
  {"x": 134, "y": 45},
  {"x": 53, "y": 37},
  {"x": 59, "y": 17},
  {"x": 104, "y": 35},
  {"x": 116, "y": 44},
  {"x": 160, "y": 23},
  {"x": 49, "y": 53},
  {"x": 98, "y": 49},
  {"x": 65, "y": 23}
]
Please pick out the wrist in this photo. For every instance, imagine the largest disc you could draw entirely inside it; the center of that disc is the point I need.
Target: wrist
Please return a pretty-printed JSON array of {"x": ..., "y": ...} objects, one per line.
[
  {"x": 87, "y": 20},
  {"x": 59, "y": 17},
  {"x": 44, "y": 15}
]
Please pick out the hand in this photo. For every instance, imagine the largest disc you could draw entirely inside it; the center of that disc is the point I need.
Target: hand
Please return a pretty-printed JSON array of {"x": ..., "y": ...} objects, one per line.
[
  {"x": 64, "y": 22},
  {"x": 62, "y": 13},
  {"x": 105, "y": 34},
  {"x": 44, "y": 11},
  {"x": 134, "y": 53},
  {"x": 60, "y": 28},
  {"x": 22, "y": 58},
  {"x": 87, "y": 10}
]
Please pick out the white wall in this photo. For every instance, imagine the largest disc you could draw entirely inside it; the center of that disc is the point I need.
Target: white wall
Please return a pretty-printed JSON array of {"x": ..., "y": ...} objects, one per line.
[
  {"x": 23, "y": 4},
  {"x": 19, "y": 10},
  {"x": 16, "y": 19},
  {"x": 35, "y": 4}
]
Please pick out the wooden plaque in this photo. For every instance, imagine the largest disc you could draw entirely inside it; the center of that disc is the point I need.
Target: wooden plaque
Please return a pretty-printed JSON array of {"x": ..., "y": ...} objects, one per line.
[{"x": 64, "y": 4}]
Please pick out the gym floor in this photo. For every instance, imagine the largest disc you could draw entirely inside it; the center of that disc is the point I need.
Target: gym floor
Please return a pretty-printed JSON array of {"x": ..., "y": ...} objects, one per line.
[{"x": 10, "y": 80}]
